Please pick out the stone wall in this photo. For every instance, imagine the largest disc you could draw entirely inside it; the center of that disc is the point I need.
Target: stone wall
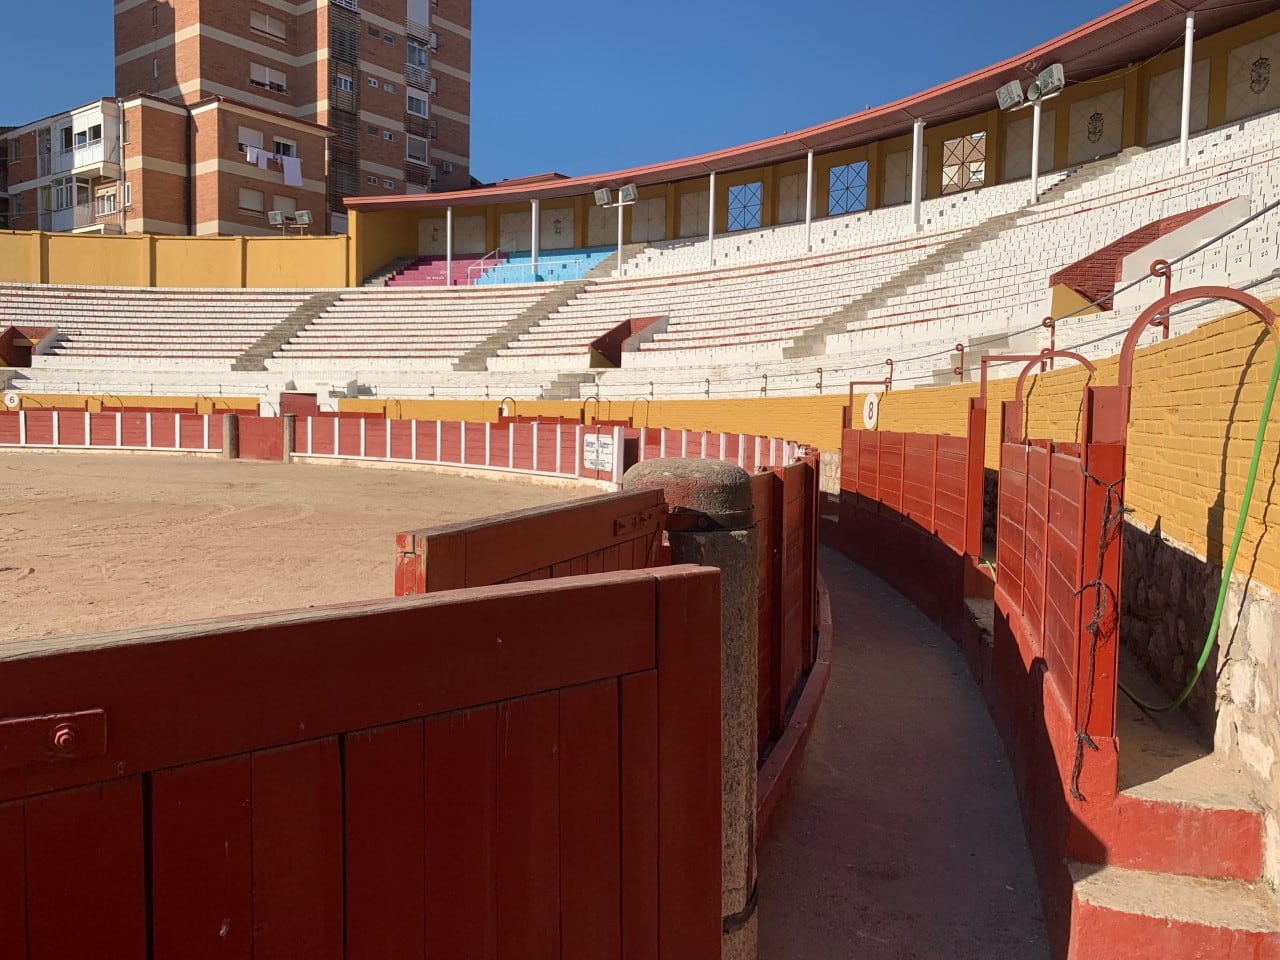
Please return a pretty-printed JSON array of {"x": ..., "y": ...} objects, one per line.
[{"x": 1167, "y": 599}]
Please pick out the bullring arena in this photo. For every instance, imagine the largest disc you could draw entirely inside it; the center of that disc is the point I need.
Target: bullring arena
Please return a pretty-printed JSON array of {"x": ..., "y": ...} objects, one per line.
[{"x": 853, "y": 543}]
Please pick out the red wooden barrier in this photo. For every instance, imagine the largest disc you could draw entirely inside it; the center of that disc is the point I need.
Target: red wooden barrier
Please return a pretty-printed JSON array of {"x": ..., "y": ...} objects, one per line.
[
  {"x": 619, "y": 531},
  {"x": 512, "y": 772},
  {"x": 262, "y": 438}
]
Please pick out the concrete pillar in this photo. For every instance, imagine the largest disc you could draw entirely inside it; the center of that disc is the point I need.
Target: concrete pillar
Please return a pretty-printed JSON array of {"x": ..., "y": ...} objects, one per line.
[
  {"x": 230, "y": 436},
  {"x": 710, "y": 525},
  {"x": 290, "y": 435}
]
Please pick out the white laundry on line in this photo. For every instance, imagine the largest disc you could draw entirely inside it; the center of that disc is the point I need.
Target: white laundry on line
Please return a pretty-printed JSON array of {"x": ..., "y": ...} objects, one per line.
[{"x": 292, "y": 171}]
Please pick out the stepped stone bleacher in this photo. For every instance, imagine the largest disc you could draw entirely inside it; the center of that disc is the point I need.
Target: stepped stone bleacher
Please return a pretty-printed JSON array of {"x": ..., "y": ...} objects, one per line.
[
  {"x": 554, "y": 266},
  {"x": 436, "y": 271}
]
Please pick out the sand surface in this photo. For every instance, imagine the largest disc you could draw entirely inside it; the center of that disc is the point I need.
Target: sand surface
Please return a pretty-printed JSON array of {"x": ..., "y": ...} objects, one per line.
[{"x": 94, "y": 542}]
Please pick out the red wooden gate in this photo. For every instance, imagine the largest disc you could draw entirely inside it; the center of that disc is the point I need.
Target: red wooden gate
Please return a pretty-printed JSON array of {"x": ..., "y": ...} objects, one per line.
[{"x": 514, "y": 772}]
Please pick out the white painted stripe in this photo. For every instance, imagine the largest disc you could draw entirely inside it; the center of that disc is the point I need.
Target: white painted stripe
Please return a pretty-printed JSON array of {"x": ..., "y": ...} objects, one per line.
[
  {"x": 459, "y": 29},
  {"x": 448, "y": 71},
  {"x": 439, "y": 111},
  {"x": 381, "y": 170},
  {"x": 439, "y": 154}
]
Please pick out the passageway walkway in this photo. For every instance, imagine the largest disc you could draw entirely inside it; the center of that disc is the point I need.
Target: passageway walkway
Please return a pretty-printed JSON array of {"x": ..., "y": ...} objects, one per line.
[{"x": 901, "y": 836}]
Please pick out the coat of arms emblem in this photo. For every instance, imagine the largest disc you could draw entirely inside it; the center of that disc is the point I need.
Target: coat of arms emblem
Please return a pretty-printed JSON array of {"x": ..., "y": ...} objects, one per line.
[
  {"x": 1260, "y": 74},
  {"x": 1096, "y": 124}
]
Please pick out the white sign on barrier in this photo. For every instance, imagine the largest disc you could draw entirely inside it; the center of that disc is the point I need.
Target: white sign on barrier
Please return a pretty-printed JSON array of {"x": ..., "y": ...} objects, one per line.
[{"x": 597, "y": 452}]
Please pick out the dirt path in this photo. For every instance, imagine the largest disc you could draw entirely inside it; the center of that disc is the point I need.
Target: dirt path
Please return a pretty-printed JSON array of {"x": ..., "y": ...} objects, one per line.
[{"x": 93, "y": 542}]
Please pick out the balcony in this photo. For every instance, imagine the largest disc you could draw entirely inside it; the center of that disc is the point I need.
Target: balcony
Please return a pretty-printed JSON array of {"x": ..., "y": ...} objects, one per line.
[
  {"x": 82, "y": 218},
  {"x": 418, "y": 76}
]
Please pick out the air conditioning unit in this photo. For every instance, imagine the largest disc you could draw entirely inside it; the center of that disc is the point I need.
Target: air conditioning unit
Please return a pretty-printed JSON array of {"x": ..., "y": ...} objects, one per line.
[{"x": 446, "y": 166}]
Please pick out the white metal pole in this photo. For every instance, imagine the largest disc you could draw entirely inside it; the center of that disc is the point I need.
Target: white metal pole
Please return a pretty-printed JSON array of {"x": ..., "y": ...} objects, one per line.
[
  {"x": 448, "y": 246},
  {"x": 1188, "y": 51},
  {"x": 917, "y": 171},
  {"x": 1035, "y": 152},
  {"x": 711, "y": 222},
  {"x": 534, "y": 247},
  {"x": 619, "y": 209},
  {"x": 808, "y": 207}
]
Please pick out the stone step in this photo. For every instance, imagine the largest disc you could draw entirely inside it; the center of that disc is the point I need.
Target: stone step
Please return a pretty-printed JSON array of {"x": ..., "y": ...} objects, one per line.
[{"x": 1137, "y": 915}]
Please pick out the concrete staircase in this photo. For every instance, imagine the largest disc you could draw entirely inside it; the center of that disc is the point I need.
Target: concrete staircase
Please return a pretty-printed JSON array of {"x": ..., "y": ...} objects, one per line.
[
  {"x": 567, "y": 386},
  {"x": 813, "y": 342},
  {"x": 556, "y": 297},
  {"x": 380, "y": 278},
  {"x": 254, "y": 358},
  {"x": 1178, "y": 858}
]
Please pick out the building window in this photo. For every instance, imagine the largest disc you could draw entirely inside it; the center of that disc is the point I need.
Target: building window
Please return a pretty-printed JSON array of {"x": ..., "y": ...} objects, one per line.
[
  {"x": 375, "y": 32},
  {"x": 124, "y": 131},
  {"x": 251, "y": 201},
  {"x": 286, "y": 205},
  {"x": 107, "y": 204},
  {"x": 349, "y": 4},
  {"x": 964, "y": 163},
  {"x": 373, "y": 131},
  {"x": 271, "y": 79},
  {"x": 344, "y": 84},
  {"x": 272, "y": 27},
  {"x": 415, "y": 149},
  {"x": 155, "y": 14},
  {"x": 128, "y": 195},
  {"x": 284, "y": 148},
  {"x": 155, "y": 67},
  {"x": 17, "y": 207},
  {"x": 90, "y": 136},
  {"x": 389, "y": 184},
  {"x": 388, "y": 136},
  {"x": 248, "y": 137},
  {"x": 15, "y": 149},
  {"x": 417, "y": 104},
  {"x": 744, "y": 206},
  {"x": 388, "y": 38},
  {"x": 372, "y": 181},
  {"x": 389, "y": 87},
  {"x": 446, "y": 166},
  {"x": 373, "y": 82},
  {"x": 847, "y": 188}
]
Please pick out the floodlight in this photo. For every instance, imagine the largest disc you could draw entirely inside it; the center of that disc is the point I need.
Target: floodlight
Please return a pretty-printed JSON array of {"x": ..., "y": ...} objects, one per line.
[
  {"x": 302, "y": 218},
  {"x": 1010, "y": 95},
  {"x": 603, "y": 197},
  {"x": 628, "y": 194},
  {"x": 275, "y": 218},
  {"x": 1047, "y": 83}
]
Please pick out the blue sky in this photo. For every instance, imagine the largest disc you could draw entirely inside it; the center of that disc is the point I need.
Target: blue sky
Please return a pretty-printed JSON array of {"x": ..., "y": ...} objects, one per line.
[{"x": 583, "y": 87}]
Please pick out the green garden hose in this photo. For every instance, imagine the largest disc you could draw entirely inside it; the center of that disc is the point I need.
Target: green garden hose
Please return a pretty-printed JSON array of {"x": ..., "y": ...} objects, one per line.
[{"x": 1231, "y": 555}]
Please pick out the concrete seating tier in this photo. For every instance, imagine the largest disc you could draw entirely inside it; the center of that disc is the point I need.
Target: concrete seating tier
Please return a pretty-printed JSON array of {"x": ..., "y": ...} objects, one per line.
[
  {"x": 129, "y": 323},
  {"x": 554, "y": 266}
]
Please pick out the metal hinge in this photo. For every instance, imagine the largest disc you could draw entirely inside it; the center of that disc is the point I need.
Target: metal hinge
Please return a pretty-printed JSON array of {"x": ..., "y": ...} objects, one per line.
[{"x": 52, "y": 738}]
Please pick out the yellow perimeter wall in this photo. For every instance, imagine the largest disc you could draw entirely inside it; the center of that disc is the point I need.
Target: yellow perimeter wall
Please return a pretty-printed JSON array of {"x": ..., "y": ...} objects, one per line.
[
  {"x": 154, "y": 261},
  {"x": 95, "y": 402}
]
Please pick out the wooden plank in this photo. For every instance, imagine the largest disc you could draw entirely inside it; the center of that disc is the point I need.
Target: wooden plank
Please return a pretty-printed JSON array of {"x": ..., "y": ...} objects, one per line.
[
  {"x": 638, "y": 712},
  {"x": 260, "y": 682},
  {"x": 590, "y": 855},
  {"x": 86, "y": 894},
  {"x": 461, "y": 835},
  {"x": 383, "y": 771},
  {"x": 13, "y": 882},
  {"x": 528, "y": 849},
  {"x": 689, "y": 801},
  {"x": 297, "y": 852},
  {"x": 201, "y": 861}
]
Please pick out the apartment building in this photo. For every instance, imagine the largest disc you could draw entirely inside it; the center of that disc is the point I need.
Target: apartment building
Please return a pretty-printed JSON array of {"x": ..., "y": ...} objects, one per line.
[
  {"x": 4, "y": 177},
  {"x": 388, "y": 79}
]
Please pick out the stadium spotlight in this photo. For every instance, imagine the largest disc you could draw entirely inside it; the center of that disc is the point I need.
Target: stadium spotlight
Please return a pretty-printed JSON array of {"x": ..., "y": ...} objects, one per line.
[
  {"x": 275, "y": 218},
  {"x": 1009, "y": 97},
  {"x": 1048, "y": 83},
  {"x": 302, "y": 218},
  {"x": 629, "y": 194},
  {"x": 603, "y": 197}
]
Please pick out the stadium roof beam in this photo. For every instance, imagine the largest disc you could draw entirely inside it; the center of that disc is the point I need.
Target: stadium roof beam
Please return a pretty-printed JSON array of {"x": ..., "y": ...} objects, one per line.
[{"x": 1188, "y": 47}]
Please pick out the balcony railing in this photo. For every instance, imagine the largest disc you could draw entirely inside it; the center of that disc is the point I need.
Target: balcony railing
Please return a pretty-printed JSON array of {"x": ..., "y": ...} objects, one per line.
[{"x": 418, "y": 77}]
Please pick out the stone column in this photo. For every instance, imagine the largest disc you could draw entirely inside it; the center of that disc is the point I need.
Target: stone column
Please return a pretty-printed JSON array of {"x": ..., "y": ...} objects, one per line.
[
  {"x": 710, "y": 525},
  {"x": 230, "y": 436},
  {"x": 290, "y": 435}
]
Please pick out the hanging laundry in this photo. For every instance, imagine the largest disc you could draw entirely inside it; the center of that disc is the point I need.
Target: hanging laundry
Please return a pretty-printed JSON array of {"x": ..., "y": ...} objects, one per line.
[
  {"x": 251, "y": 154},
  {"x": 263, "y": 157},
  {"x": 292, "y": 171}
]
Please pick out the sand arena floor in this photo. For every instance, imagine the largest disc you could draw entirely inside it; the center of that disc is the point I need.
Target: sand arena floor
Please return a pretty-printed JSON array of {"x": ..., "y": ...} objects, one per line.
[{"x": 95, "y": 542}]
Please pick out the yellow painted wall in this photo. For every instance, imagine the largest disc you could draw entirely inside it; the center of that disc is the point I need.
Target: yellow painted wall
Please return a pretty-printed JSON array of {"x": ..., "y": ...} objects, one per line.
[
  {"x": 295, "y": 262},
  {"x": 378, "y": 238},
  {"x": 94, "y": 260},
  {"x": 1195, "y": 408},
  {"x": 206, "y": 262},
  {"x": 20, "y": 260},
  {"x": 95, "y": 402}
]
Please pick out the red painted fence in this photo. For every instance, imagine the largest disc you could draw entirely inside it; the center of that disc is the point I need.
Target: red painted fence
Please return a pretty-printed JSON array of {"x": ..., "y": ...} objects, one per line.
[
  {"x": 121, "y": 430},
  {"x": 623, "y": 531},
  {"x": 513, "y": 772}
]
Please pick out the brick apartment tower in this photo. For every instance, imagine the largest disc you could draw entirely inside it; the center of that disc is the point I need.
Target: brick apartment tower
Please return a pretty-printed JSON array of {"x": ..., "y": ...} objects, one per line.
[{"x": 389, "y": 79}]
